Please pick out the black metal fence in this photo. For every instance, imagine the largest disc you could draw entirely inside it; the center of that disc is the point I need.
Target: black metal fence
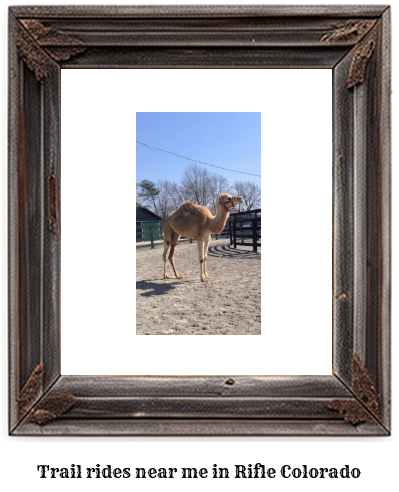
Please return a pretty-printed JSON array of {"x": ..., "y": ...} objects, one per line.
[
  {"x": 145, "y": 233},
  {"x": 149, "y": 233},
  {"x": 242, "y": 228},
  {"x": 245, "y": 228}
]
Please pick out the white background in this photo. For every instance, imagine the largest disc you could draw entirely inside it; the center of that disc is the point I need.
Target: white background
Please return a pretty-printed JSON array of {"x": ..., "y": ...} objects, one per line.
[
  {"x": 98, "y": 232},
  {"x": 376, "y": 457}
]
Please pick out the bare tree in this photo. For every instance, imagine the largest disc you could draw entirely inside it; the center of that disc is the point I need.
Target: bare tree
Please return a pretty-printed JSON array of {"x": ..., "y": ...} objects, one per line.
[
  {"x": 197, "y": 183},
  {"x": 177, "y": 195},
  {"x": 218, "y": 185},
  {"x": 250, "y": 192},
  {"x": 203, "y": 188},
  {"x": 164, "y": 201}
]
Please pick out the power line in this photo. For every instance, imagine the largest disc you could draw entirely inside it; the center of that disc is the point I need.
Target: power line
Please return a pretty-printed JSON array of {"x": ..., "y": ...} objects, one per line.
[{"x": 194, "y": 160}]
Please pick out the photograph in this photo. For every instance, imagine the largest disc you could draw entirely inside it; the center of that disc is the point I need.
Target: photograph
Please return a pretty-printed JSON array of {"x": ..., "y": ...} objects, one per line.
[{"x": 198, "y": 224}]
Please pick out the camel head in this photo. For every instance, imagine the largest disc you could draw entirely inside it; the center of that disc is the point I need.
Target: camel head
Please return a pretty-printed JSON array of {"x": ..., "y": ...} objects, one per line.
[{"x": 229, "y": 201}]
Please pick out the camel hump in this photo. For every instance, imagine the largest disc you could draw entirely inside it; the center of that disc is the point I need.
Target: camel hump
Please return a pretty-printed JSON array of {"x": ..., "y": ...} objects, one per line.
[
  {"x": 193, "y": 208},
  {"x": 188, "y": 205},
  {"x": 189, "y": 211}
]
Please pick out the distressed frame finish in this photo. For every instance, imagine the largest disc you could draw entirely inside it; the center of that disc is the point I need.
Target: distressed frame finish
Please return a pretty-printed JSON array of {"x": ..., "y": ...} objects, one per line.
[{"x": 353, "y": 41}]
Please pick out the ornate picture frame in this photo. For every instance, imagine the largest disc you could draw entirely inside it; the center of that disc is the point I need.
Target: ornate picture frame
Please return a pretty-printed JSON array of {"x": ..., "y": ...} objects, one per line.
[{"x": 352, "y": 41}]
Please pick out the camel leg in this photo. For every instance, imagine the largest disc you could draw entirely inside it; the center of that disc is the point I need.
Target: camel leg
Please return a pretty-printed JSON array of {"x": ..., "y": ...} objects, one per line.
[
  {"x": 165, "y": 252},
  {"x": 200, "y": 244},
  {"x": 175, "y": 239},
  {"x": 206, "y": 244},
  {"x": 167, "y": 238}
]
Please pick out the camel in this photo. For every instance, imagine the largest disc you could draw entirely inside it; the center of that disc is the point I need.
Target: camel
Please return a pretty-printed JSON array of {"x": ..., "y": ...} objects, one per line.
[{"x": 196, "y": 222}]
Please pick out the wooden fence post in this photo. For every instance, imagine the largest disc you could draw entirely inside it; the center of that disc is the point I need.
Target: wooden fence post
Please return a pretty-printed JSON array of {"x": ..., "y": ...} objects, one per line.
[
  {"x": 255, "y": 234},
  {"x": 151, "y": 238}
]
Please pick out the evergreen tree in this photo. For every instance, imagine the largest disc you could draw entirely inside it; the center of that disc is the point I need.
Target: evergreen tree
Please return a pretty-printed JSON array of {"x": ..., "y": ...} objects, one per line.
[{"x": 147, "y": 192}]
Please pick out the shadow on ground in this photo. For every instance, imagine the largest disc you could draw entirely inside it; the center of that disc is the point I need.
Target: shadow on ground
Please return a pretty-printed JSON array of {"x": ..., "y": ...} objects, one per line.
[
  {"x": 156, "y": 289},
  {"x": 227, "y": 251}
]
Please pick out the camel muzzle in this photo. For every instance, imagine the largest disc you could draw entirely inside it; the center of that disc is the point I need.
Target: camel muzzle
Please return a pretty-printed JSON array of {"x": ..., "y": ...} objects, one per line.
[
  {"x": 232, "y": 203},
  {"x": 228, "y": 201}
]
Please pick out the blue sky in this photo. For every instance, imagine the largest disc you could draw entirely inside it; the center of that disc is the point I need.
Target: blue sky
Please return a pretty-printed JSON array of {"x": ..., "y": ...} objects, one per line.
[{"x": 230, "y": 140}]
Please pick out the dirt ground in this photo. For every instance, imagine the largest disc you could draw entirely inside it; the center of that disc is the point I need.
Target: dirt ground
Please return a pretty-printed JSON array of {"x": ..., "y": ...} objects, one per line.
[{"x": 228, "y": 304}]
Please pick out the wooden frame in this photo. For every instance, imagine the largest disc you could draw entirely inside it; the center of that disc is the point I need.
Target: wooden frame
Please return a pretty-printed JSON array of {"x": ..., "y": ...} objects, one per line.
[{"x": 353, "y": 41}]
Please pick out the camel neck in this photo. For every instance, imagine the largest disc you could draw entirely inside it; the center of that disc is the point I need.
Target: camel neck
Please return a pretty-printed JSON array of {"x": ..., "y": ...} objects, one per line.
[{"x": 219, "y": 220}]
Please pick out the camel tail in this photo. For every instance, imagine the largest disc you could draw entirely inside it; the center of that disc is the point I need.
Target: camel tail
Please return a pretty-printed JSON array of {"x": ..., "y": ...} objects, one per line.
[{"x": 167, "y": 232}]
